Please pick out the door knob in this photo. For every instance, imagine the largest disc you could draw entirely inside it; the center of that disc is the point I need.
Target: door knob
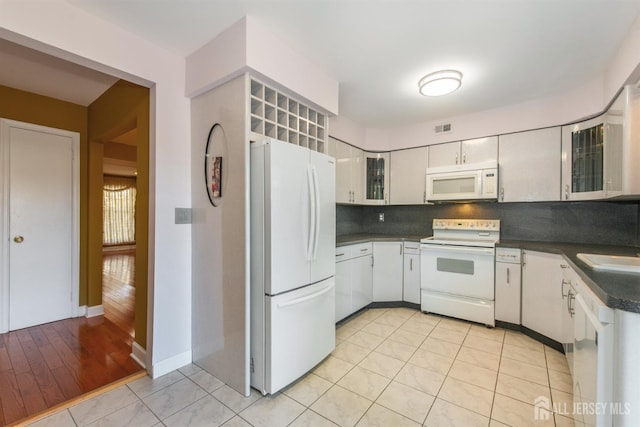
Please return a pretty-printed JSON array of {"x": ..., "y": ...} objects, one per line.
[{"x": 18, "y": 239}]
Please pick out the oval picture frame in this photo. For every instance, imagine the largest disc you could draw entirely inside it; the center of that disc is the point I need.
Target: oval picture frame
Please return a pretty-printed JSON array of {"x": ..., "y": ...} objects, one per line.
[{"x": 213, "y": 168}]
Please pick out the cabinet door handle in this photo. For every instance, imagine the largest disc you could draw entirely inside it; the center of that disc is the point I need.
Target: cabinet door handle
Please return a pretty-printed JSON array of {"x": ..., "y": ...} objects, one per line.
[
  {"x": 424, "y": 197},
  {"x": 464, "y": 158},
  {"x": 410, "y": 264},
  {"x": 400, "y": 249},
  {"x": 566, "y": 192},
  {"x": 524, "y": 262},
  {"x": 570, "y": 307},
  {"x": 456, "y": 158},
  {"x": 564, "y": 282},
  {"x": 339, "y": 254},
  {"x": 502, "y": 194},
  {"x": 508, "y": 276}
]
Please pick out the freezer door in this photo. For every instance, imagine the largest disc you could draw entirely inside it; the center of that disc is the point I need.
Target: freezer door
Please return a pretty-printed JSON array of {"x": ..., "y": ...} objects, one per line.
[
  {"x": 323, "y": 169},
  {"x": 300, "y": 332},
  {"x": 287, "y": 202}
]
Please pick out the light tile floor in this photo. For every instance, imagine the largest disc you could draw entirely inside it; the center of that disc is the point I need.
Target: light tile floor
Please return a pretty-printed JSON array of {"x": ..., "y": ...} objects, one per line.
[{"x": 391, "y": 367}]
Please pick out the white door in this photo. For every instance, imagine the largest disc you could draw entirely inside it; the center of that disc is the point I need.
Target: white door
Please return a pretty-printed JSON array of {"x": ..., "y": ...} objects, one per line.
[
  {"x": 40, "y": 232},
  {"x": 361, "y": 282},
  {"x": 530, "y": 166},
  {"x": 343, "y": 172},
  {"x": 343, "y": 289},
  {"x": 408, "y": 171},
  {"x": 300, "y": 332},
  {"x": 479, "y": 150},
  {"x": 357, "y": 173},
  {"x": 542, "y": 302},
  {"x": 447, "y": 154},
  {"x": 288, "y": 192},
  {"x": 323, "y": 173},
  {"x": 411, "y": 278},
  {"x": 387, "y": 271}
]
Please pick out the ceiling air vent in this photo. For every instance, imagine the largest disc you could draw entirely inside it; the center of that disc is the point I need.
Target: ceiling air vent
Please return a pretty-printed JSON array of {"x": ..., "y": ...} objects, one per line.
[{"x": 445, "y": 128}]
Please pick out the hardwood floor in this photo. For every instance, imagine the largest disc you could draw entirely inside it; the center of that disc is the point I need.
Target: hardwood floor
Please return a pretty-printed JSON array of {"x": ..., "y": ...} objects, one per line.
[
  {"x": 118, "y": 288},
  {"x": 45, "y": 365}
]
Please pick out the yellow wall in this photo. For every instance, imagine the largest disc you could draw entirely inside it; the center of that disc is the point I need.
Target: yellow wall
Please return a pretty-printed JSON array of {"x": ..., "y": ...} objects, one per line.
[
  {"x": 121, "y": 108},
  {"x": 41, "y": 110}
]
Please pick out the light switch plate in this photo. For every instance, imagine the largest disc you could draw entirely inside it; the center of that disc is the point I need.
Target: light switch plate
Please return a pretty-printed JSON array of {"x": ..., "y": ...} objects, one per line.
[{"x": 183, "y": 215}]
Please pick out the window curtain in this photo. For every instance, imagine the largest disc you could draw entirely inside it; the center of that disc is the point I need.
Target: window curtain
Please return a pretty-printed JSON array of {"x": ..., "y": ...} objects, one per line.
[{"x": 119, "y": 211}]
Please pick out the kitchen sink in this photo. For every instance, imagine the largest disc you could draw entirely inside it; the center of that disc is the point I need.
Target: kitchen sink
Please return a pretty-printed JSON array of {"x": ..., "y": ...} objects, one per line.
[{"x": 627, "y": 264}]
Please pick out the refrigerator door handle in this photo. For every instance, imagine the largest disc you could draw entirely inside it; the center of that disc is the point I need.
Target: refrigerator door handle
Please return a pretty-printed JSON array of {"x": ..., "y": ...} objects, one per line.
[
  {"x": 312, "y": 214},
  {"x": 305, "y": 298},
  {"x": 316, "y": 192}
]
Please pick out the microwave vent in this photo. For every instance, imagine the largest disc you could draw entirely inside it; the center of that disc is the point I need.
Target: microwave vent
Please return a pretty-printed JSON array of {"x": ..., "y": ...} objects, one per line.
[{"x": 443, "y": 128}]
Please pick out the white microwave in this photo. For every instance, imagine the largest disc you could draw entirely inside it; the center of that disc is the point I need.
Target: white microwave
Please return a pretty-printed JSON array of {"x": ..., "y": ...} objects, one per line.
[{"x": 463, "y": 182}]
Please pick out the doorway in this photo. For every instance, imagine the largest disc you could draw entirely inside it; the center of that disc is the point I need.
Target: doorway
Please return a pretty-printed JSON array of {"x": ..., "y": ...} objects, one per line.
[
  {"x": 119, "y": 231},
  {"x": 40, "y": 224}
]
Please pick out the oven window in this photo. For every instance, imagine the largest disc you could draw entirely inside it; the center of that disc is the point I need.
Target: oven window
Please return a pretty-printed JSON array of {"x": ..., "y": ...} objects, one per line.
[
  {"x": 451, "y": 265},
  {"x": 454, "y": 185}
]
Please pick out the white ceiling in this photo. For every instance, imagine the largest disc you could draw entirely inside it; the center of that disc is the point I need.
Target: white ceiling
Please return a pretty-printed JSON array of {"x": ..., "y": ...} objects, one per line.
[{"x": 509, "y": 51}]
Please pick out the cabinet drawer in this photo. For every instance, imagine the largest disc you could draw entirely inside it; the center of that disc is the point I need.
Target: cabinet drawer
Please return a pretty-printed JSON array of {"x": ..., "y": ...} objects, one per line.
[
  {"x": 411, "y": 248},
  {"x": 344, "y": 253},
  {"x": 361, "y": 249},
  {"x": 511, "y": 255}
]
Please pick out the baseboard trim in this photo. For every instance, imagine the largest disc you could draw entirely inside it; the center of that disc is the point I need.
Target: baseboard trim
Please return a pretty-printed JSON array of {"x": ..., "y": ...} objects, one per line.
[
  {"x": 81, "y": 311},
  {"x": 139, "y": 354},
  {"x": 96, "y": 310},
  {"x": 170, "y": 364}
]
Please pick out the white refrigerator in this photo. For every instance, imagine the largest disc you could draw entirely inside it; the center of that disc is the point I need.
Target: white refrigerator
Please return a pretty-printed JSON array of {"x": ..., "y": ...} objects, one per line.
[{"x": 292, "y": 262}]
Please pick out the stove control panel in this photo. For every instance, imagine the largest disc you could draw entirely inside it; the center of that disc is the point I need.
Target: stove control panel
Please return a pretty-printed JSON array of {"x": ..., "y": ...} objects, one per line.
[{"x": 467, "y": 224}]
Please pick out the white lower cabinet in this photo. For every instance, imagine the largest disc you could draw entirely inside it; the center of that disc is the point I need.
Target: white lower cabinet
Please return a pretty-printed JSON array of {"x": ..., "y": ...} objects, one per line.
[
  {"x": 387, "y": 271},
  {"x": 354, "y": 274},
  {"x": 411, "y": 273},
  {"x": 343, "y": 289},
  {"x": 361, "y": 281},
  {"x": 542, "y": 302},
  {"x": 508, "y": 285}
]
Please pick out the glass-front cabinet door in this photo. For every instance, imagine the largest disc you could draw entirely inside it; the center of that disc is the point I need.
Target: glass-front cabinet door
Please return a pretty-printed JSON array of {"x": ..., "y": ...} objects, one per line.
[
  {"x": 376, "y": 178},
  {"x": 587, "y": 160},
  {"x": 592, "y": 158}
]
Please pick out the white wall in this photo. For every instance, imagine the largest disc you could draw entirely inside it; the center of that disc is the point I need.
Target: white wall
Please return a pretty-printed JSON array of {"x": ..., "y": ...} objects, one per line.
[
  {"x": 247, "y": 46},
  {"x": 220, "y": 236},
  {"x": 58, "y": 28}
]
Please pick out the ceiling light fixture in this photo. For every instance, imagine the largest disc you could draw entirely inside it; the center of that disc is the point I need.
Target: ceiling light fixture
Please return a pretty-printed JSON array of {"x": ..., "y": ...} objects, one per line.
[{"x": 440, "y": 82}]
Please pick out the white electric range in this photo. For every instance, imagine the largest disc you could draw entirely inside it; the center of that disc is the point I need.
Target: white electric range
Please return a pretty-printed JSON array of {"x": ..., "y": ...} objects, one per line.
[{"x": 457, "y": 269}]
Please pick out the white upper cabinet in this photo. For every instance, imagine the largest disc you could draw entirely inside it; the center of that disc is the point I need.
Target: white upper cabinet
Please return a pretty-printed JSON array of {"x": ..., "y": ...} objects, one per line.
[
  {"x": 408, "y": 169},
  {"x": 444, "y": 154},
  {"x": 529, "y": 166},
  {"x": 348, "y": 171},
  {"x": 376, "y": 178},
  {"x": 479, "y": 150},
  {"x": 591, "y": 150},
  {"x": 600, "y": 156}
]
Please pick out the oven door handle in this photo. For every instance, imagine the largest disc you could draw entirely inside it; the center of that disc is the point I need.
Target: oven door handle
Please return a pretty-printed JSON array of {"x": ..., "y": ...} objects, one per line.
[{"x": 457, "y": 249}]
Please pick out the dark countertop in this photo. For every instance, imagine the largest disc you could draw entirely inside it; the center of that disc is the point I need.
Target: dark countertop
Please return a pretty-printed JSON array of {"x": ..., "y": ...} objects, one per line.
[
  {"x": 617, "y": 290},
  {"x": 352, "y": 239}
]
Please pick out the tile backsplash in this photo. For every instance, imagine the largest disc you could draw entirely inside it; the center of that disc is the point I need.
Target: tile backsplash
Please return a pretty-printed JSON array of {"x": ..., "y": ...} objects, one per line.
[{"x": 611, "y": 223}]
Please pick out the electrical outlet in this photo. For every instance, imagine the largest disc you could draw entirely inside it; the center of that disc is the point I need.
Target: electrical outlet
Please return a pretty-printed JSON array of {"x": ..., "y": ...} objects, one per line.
[{"x": 381, "y": 217}]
